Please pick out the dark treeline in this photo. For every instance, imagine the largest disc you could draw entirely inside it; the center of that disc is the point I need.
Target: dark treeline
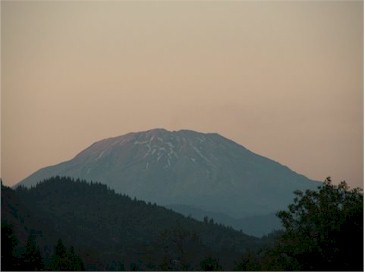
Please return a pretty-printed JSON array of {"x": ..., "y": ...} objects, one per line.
[
  {"x": 113, "y": 231},
  {"x": 323, "y": 230},
  {"x": 29, "y": 258}
]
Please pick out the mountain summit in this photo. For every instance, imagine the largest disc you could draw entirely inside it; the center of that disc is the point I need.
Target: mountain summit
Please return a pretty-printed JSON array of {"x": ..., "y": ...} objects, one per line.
[{"x": 201, "y": 171}]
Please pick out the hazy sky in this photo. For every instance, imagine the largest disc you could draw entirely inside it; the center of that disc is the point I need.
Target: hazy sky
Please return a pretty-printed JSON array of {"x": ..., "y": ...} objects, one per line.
[{"x": 284, "y": 79}]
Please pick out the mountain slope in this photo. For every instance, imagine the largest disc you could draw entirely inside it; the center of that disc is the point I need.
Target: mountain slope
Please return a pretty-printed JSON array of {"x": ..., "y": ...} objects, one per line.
[
  {"x": 258, "y": 225},
  {"x": 108, "y": 228},
  {"x": 205, "y": 171}
]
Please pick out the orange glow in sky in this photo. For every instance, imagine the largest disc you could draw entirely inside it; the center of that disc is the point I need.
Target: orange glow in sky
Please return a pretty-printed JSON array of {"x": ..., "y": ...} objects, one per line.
[{"x": 284, "y": 79}]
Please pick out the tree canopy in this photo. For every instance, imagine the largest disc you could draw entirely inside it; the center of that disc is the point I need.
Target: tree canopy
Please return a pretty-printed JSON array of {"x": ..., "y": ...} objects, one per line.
[{"x": 323, "y": 229}]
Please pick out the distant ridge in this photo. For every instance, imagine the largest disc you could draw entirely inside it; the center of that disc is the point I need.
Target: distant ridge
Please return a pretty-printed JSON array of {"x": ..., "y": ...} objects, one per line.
[{"x": 204, "y": 171}]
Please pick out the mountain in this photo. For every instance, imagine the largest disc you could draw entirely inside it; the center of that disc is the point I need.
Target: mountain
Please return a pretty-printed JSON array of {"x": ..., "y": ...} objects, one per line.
[
  {"x": 108, "y": 229},
  {"x": 203, "y": 171}
]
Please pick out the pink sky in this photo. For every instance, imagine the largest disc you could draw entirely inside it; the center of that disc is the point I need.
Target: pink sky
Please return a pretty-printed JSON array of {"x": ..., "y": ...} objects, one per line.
[{"x": 284, "y": 79}]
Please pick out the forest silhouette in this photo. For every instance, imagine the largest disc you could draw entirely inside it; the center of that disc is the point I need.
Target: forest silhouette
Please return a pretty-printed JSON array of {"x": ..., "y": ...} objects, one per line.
[{"x": 64, "y": 224}]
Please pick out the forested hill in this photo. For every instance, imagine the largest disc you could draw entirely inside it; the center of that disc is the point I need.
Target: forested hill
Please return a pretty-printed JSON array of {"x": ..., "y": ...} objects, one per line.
[{"x": 111, "y": 231}]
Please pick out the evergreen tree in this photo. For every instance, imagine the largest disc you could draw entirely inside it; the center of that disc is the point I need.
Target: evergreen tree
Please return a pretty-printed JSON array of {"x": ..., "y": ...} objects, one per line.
[
  {"x": 9, "y": 257},
  {"x": 59, "y": 261},
  {"x": 31, "y": 259},
  {"x": 64, "y": 260},
  {"x": 75, "y": 260}
]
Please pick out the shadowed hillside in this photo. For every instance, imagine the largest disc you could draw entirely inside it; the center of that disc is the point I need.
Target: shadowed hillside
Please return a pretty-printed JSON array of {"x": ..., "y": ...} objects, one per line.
[{"x": 110, "y": 229}]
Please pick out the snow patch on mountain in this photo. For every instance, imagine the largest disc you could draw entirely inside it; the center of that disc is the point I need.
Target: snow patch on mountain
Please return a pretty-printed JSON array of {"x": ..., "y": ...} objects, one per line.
[
  {"x": 100, "y": 155},
  {"x": 201, "y": 154}
]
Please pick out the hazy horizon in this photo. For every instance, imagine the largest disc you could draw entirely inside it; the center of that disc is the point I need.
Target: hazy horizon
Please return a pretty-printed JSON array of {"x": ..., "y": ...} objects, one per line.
[{"x": 283, "y": 79}]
